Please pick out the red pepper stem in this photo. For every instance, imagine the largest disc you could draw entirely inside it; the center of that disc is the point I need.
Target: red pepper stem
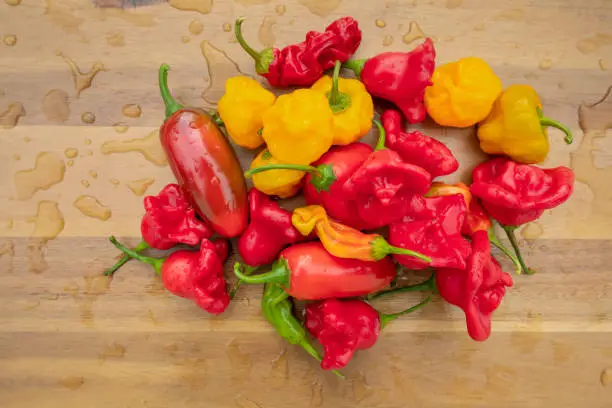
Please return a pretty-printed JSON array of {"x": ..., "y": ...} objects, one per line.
[
  {"x": 495, "y": 241},
  {"x": 385, "y": 319},
  {"x": 355, "y": 65},
  {"x": 281, "y": 166},
  {"x": 381, "y": 248},
  {"x": 510, "y": 229},
  {"x": 545, "y": 121},
  {"x": 156, "y": 263},
  {"x": 171, "y": 105},
  {"x": 139, "y": 248},
  {"x": 382, "y": 136},
  {"x": 240, "y": 38},
  {"x": 280, "y": 274},
  {"x": 428, "y": 285}
]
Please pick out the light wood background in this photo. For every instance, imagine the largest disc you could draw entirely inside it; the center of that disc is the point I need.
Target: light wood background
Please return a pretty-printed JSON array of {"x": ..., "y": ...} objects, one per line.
[{"x": 71, "y": 338}]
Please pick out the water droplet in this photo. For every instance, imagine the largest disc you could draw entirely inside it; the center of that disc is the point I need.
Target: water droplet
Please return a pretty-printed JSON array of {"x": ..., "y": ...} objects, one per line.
[
  {"x": 85, "y": 183},
  {"x": 453, "y": 4},
  {"x": 71, "y": 152},
  {"x": 195, "y": 27},
  {"x": 82, "y": 80},
  {"x": 88, "y": 117},
  {"x": 243, "y": 402},
  {"x": 114, "y": 182},
  {"x": 56, "y": 107},
  {"x": 280, "y": 9},
  {"x": 63, "y": 14},
  {"x": 511, "y": 15},
  {"x": 132, "y": 110},
  {"x": 545, "y": 64},
  {"x": 149, "y": 146},
  {"x": 219, "y": 67},
  {"x": 91, "y": 207},
  {"x": 316, "y": 394},
  {"x": 380, "y": 23},
  {"x": 7, "y": 249},
  {"x": 321, "y": 8},
  {"x": 16, "y": 157},
  {"x": 48, "y": 223},
  {"x": 387, "y": 40},
  {"x": 606, "y": 377},
  {"x": 13, "y": 2},
  {"x": 139, "y": 187},
  {"x": 227, "y": 27},
  {"x": 72, "y": 382},
  {"x": 241, "y": 363},
  {"x": 533, "y": 230},
  {"x": 10, "y": 117},
  {"x": 201, "y": 6},
  {"x": 115, "y": 38},
  {"x": 414, "y": 33},
  {"x": 93, "y": 174},
  {"x": 48, "y": 170},
  {"x": 10, "y": 40},
  {"x": 87, "y": 142},
  {"x": 185, "y": 39},
  {"x": 112, "y": 351},
  {"x": 266, "y": 35},
  {"x": 70, "y": 163},
  {"x": 602, "y": 65},
  {"x": 121, "y": 127}
]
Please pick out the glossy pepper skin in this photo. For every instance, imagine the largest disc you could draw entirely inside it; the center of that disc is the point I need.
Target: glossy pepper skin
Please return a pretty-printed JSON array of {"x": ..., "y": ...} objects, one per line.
[
  {"x": 478, "y": 289},
  {"x": 432, "y": 226},
  {"x": 280, "y": 183},
  {"x": 193, "y": 275},
  {"x": 343, "y": 241},
  {"x": 308, "y": 272},
  {"x": 517, "y": 128},
  {"x": 417, "y": 148},
  {"x": 269, "y": 231},
  {"x": 241, "y": 109},
  {"x": 302, "y": 64},
  {"x": 463, "y": 92},
  {"x": 399, "y": 77},
  {"x": 204, "y": 164},
  {"x": 298, "y": 127}
]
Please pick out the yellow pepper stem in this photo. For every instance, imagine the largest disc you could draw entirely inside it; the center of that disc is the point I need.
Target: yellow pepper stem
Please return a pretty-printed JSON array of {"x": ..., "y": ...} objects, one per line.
[
  {"x": 262, "y": 59},
  {"x": 323, "y": 176},
  {"x": 338, "y": 101},
  {"x": 544, "y": 121},
  {"x": 382, "y": 136}
]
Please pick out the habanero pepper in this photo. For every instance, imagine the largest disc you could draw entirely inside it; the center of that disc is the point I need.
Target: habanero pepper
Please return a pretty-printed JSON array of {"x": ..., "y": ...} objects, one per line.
[
  {"x": 279, "y": 183},
  {"x": 399, "y": 77},
  {"x": 345, "y": 326},
  {"x": 308, "y": 272},
  {"x": 204, "y": 164}
]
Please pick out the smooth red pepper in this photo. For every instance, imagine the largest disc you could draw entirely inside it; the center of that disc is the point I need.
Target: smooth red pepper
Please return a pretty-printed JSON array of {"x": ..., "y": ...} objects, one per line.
[
  {"x": 308, "y": 272},
  {"x": 303, "y": 64},
  {"x": 269, "y": 231},
  {"x": 478, "y": 289},
  {"x": 417, "y": 148},
  {"x": 204, "y": 164},
  {"x": 399, "y": 77}
]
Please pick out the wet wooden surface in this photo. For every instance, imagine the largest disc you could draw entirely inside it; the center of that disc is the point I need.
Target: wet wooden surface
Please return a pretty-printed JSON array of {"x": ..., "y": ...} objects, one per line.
[{"x": 79, "y": 110}]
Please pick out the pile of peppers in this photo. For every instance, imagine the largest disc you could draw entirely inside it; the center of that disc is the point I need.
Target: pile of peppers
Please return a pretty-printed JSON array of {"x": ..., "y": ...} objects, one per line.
[{"x": 372, "y": 213}]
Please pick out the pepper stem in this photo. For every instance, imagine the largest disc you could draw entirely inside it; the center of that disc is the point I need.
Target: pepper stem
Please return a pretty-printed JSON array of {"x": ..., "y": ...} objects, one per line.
[
  {"x": 156, "y": 263},
  {"x": 385, "y": 319},
  {"x": 512, "y": 237},
  {"x": 171, "y": 104},
  {"x": 495, "y": 241},
  {"x": 279, "y": 274},
  {"x": 323, "y": 176},
  {"x": 262, "y": 59},
  {"x": 381, "y": 248},
  {"x": 428, "y": 285},
  {"x": 248, "y": 270},
  {"x": 355, "y": 65},
  {"x": 139, "y": 248},
  {"x": 545, "y": 121},
  {"x": 338, "y": 101},
  {"x": 281, "y": 166},
  {"x": 382, "y": 136},
  {"x": 305, "y": 344}
]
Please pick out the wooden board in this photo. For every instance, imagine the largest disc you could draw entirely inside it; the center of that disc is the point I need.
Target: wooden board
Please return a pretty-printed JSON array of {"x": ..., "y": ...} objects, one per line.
[{"x": 69, "y": 337}]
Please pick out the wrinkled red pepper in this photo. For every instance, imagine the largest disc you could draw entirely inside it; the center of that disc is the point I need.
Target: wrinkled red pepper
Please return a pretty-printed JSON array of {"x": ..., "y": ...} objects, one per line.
[
  {"x": 399, "y": 77},
  {"x": 194, "y": 275},
  {"x": 269, "y": 231},
  {"x": 432, "y": 226},
  {"x": 478, "y": 289},
  {"x": 345, "y": 326},
  {"x": 417, "y": 148},
  {"x": 303, "y": 64},
  {"x": 308, "y": 272}
]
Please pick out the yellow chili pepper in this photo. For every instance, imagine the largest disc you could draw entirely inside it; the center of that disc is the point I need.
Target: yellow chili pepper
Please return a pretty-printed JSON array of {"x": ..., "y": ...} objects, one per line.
[
  {"x": 241, "y": 109},
  {"x": 281, "y": 183},
  {"x": 463, "y": 92},
  {"x": 351, "y": 104},
  {"x": 343, "y": 241},
  {"x": 298, "y": 127},
  {"x": 517, "y": 127}
]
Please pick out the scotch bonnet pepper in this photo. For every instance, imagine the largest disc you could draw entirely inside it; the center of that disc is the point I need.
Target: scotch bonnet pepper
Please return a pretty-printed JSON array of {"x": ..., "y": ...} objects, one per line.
[
  {"x": 517, "y": 127},
  {"x": 308, "y": 272}
]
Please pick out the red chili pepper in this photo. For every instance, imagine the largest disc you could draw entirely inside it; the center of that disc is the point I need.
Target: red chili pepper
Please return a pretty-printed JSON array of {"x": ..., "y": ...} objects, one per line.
[
  {"x": 382, "y": 187},
  {"x": 222, "y": 248},
  {"x": 303, "y": 64},
  {"x": 194, "y": 275},
  {"x": 417, "y": 148},
  {"x": 204, "y": 164},
  {"x": 345, "y": 326},
  {"x": 432, "y": 227},
  {"x": 478, "y": 289},
  {"x": 269, "y": 231},
  {"x": 399, "y": 77},
  {"x": 308, "y": 272}
]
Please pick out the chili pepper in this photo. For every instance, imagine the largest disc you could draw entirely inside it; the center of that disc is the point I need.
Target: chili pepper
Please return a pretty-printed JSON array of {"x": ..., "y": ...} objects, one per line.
[
  {"x": 463, "y": 92},
  {"x": 302, "y": 64},
  {"x": 517, "y": 127},
  {"x": 194, "y": 275},
  {"x": 204, "y": 164},
  {"x": 417, "y": 148},
  {"x": 308, "y": 272},
  {"x": 383, "y": 185},
  {"x": 432, "y": 226},
  {"x": 399, "y": 77},
  {"x": 345, "y": 326},
  {"x": 351, "y": 104},
  {"x": 222, "y": 248},
  {"x": 298, "y": 127},
  {"x": 343, "y": 241},
  {"x": 269, "y": 231},
  {"x": 241, "y": 109},
  {"x": 280, "y": 183},
  {"x": 478, "y": 289},
  {"x": 515, "y": 194}
]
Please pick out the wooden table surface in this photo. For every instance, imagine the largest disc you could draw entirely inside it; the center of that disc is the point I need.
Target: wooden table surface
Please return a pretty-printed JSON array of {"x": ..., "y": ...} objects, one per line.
[{"x": 79, "y": 113}]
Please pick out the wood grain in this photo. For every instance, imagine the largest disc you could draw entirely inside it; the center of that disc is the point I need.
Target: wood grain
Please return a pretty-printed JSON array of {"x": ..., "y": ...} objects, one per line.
[{"x": 69, "y": 337}]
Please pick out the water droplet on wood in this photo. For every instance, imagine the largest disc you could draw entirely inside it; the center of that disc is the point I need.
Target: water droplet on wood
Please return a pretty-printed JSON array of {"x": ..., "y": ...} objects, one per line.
[
  {"x": 603, "y": 65},
  {"x": 316, "y": 394},
  {"x": 13, "y": 2},
  {"x": 56, "y": 107},
  {"x": 139, "y": 187},
  {"x": 561, "y": 352},
  {"x": 114, "y": 182},
  {"x": 112, "y": 351},
  {"x": 185, "y": 39},
  {"x": 10, "y": 40},
  {"x": 414, "y": 33},
  {"x": 266, "y": 35},
  {"x": 16, "y": 157},
  {"x": 321, "y": 8},
  {"x": 82, "y": 80},
  {"x": 533, "y": 230},
  {"x": 361, "y": 388},
  {"x": 453, "y": 4},
  {"x": 149, "y": 146},
  {"x": 201, "y": 6},
  {"x": 132, "y": 110},
  {"x": 92, "y": 207},
  {"x": 72, "y": 382},
  {"x": 115, "y": 38},
  {"x": 85, "y": 183},
  {"x": 227, "y": 27},
  {"x": 71, "y": 152},
  {"x": 280, "y": 9},
  {"x": 48, "y": 221},
  {"x": 380, "y": 23},
  {"x": 479, "y": 27},
  {"x": 605, "y": 378},
  {"x": 195, "y": 27},
  {"x": 387, "y": 40},
  {"x": 48, "y": 170},
  {"x": 88, "y": 117},
  {"x": 7, "y": 251},
  {"x": 10, "y": 117},
  {"x": 87, "y": 142},
  {"x": 121, "y": 127},
  {"x": 279, "y": 373},
  {"x": 219, "y": 67},
  {"x": 511, "y": 15},
  {"x": 70, "y": 163},
  {"x": 93, "y": 174},
  {"x": 62, "y": 13},
  {"x": 545, "y": 64}
]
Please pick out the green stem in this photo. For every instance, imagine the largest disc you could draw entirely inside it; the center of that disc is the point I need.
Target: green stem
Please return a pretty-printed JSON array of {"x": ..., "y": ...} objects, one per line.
[
  {"x": 495, "y": 241},
  {"x": 216, "y": 118},
  {"x": 281, "y": 166},
  {"x": 381, "y": 248},
  {"x": 240, "y": 38},
  {"x": 139, "y": 248},
  {"x": 385, "y": 319},
  {"x": 428, "y": 285},
  {"x": 248, "y": 270},
  {"x": 279, "y": 274},
  {"x": 156, "y": 263},
  {"x": 510, "y": 229},
  {"x": 171, "y": 104},
  {"x": 305, "y": 344},
  {"x": 382, "y": 135},
  {"x": 338, "y": 101},
  {"x": 544, "y": 121},
  {"x": 323, "y": 176},
  {"x": 355, "y": 65}
]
